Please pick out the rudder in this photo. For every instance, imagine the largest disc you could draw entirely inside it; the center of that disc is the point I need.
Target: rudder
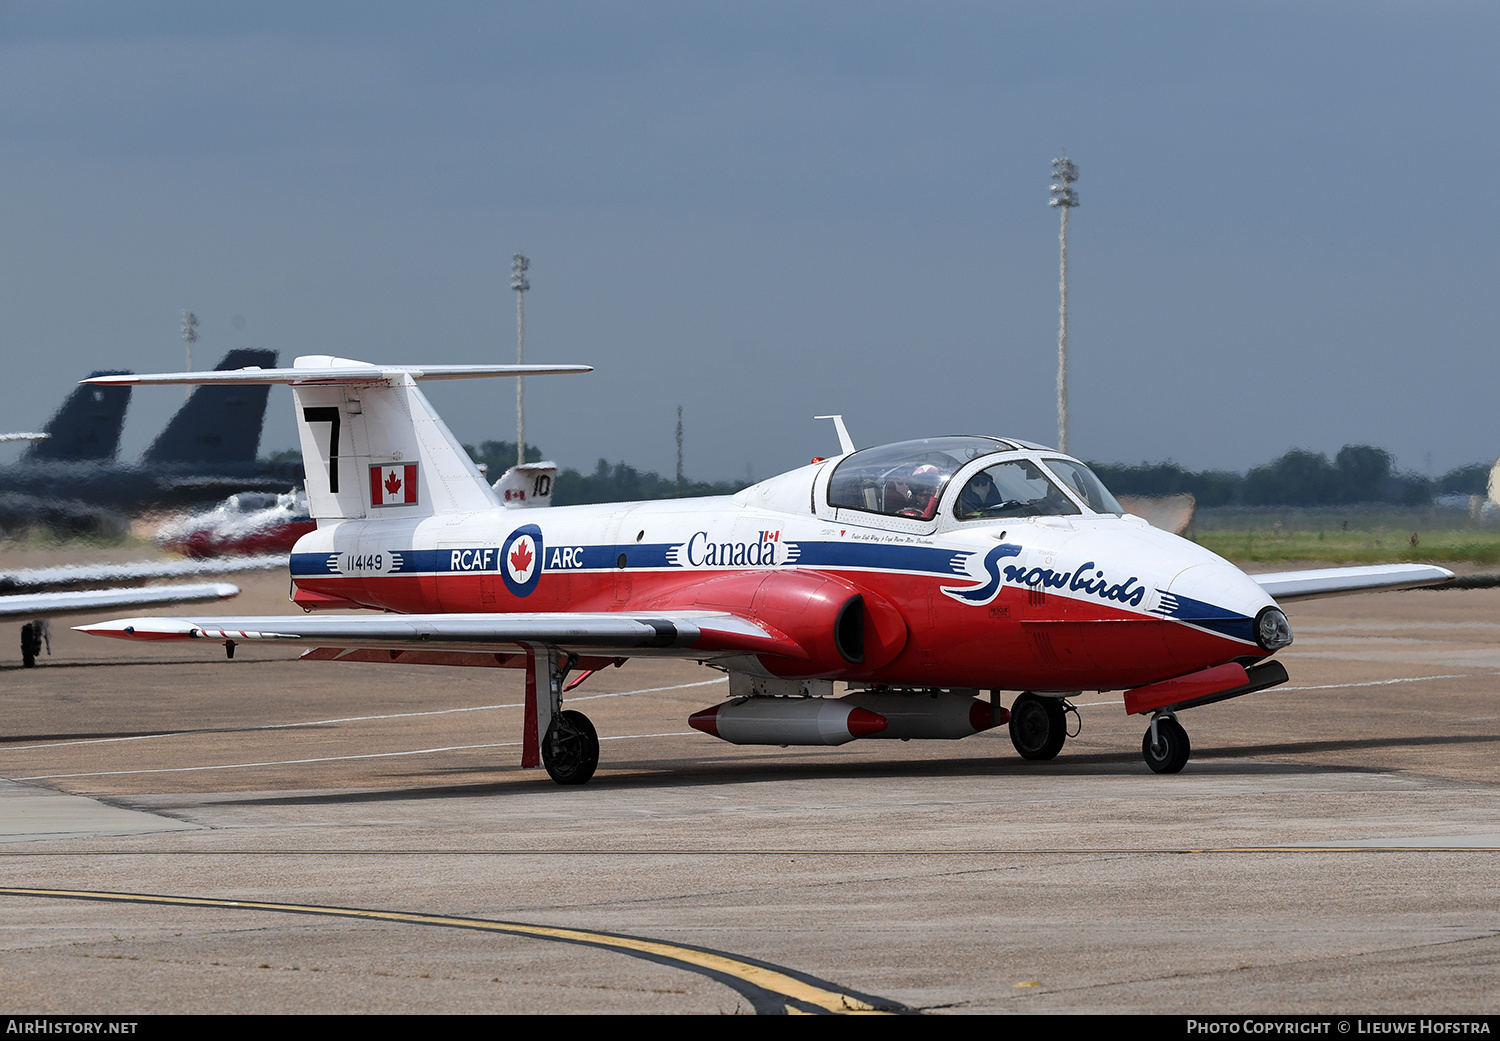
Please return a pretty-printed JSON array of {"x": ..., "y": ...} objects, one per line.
[{"x": 380, "y": 450}]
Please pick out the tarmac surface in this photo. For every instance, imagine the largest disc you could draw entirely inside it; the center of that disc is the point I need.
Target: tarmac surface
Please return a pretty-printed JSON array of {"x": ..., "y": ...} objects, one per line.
[{"x": 182, "y": 833}]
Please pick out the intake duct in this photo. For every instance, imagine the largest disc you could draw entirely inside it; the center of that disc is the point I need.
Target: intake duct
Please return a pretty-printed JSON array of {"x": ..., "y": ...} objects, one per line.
[
  {"x": 849, "y": 630},
  {"x": 830, "y": 626}
]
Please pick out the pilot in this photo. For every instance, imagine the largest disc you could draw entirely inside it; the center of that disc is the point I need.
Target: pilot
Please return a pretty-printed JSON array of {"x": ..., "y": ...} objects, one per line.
[
  {"x": 978, "y": 495},
  {"x": 916, "y": 494}
]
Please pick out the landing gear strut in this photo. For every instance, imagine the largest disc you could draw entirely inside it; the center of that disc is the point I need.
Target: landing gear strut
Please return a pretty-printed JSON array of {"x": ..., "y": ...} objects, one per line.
[
  {"x": 1038, "y": 726},
  {"x": 569, "y": 746},
  {"x": 33, "y": 635},
  {"x": 1165, "y": 745}
]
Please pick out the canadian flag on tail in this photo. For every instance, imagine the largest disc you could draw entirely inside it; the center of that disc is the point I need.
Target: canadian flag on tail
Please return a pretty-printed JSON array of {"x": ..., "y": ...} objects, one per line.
[{"x": 393, "y": 484}]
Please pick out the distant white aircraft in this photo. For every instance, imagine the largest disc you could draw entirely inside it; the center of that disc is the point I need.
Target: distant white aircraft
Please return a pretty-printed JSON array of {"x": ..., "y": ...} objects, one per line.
[{"x": 919, "y": 573}]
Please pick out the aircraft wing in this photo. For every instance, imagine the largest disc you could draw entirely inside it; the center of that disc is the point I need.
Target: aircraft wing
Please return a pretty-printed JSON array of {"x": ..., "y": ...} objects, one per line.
[
  {"x": 42, "y": 578},
  {"x": 1285, "y": 586},
  {"x": 31, "y": 605},
  {"x": 683, "y": 634}
]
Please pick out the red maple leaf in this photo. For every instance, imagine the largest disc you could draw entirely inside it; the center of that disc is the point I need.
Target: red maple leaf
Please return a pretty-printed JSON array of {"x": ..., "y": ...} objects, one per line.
[
  {"x": 392, "y": 483},
  {"x": 520, "y": 558}
]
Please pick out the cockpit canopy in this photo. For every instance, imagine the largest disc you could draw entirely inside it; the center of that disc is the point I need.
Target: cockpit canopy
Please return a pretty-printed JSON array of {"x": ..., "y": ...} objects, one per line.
[{"x": 908, "y": 480}]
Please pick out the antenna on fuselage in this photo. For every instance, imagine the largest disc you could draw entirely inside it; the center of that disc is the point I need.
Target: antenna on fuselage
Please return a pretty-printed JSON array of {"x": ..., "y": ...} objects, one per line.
[{"x": 846, "y": 443}]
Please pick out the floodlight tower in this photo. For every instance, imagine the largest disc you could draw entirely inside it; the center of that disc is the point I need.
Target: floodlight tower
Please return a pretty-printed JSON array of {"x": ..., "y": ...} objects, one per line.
[
  {"x": 518, "y": 267},
  {"x": 189, "y": 337},
  {"x": 1064, "y": 173}
]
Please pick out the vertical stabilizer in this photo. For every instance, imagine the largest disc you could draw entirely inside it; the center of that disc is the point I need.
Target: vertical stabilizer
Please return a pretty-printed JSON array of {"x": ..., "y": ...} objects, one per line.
[
  {"x": 526, "y": 487},
  {"x": 219, "y": 424},
  {"x": 378, "y": 450},
  {"x": 86, "y": 428}
]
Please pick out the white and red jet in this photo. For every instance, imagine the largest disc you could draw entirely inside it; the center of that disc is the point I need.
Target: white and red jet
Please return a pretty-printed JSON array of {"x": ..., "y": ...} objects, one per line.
[{"x": 920, "y": 574}]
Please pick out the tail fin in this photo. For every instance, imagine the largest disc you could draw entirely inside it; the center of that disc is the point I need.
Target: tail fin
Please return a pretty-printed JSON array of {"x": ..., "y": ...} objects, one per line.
[
  {"x": 218, "y": 425},
  {"x": 86, "y": 428},
  {"x": 379, "y": 450},
  {"x": 372, "y": 445}
]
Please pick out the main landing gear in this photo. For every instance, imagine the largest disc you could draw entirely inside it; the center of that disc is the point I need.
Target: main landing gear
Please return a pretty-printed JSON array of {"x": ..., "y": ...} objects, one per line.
[
  {"x": 570, "y": 751},
  {"x": 33, "y": 636},
  {"x": 1165, "y": 745},
  {"x": 1039, "y": 726},
  {"x": 569, "y": 746}
]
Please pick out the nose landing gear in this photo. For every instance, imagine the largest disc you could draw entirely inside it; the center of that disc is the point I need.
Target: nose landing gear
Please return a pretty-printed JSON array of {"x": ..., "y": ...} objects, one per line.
[{"x": 1165, "y": 745}]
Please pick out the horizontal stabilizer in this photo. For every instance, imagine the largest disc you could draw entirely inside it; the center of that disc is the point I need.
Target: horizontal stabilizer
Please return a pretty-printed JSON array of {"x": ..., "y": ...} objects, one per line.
[
  {"x": 1341, "y": 581},
  {"x": 320, "y": 369}
]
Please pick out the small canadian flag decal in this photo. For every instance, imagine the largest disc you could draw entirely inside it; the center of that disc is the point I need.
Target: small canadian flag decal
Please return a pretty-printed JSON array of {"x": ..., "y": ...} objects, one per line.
[{"x": 393, "y": 484}]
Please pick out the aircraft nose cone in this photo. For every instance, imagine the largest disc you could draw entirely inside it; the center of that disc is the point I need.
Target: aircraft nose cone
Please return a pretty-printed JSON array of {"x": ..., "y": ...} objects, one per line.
[
  {"x": 1219, "y": 597},
  {"x": 1222, "y": 584}
]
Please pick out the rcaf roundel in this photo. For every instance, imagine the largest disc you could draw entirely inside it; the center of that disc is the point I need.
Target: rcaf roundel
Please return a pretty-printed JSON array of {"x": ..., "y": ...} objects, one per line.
[
  {"x": 393, "y": 484},
  {"x": 521, "y": 560}
]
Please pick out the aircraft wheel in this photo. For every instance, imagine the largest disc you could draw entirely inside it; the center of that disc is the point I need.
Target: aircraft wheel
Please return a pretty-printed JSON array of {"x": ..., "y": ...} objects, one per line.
[
  {"x": 31, "y": 645},
  {"x": 1038, "y": 726},
  {"x": 570, "y": 751},
  {"x": 1170, "y": 754}
]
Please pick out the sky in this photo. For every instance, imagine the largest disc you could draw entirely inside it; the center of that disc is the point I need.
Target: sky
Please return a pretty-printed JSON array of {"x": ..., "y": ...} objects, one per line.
[{"x": 1288, "y": 233}]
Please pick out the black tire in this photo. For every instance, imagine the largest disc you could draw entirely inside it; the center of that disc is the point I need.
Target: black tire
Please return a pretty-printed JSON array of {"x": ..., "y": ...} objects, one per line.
[
  {"x": 1173, "y": 750},
  {"x": 31, "y": 645},
  {"x": 570, "y": 751},
  {"x": 1038, "y": 726}
]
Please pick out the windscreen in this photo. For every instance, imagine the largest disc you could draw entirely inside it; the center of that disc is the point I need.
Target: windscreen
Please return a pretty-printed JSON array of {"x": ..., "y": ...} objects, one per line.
[
  {"x": 905, "y": 479},
  {"x": 1089, "y": 488},
  {"x": 1015, "y": 488}
]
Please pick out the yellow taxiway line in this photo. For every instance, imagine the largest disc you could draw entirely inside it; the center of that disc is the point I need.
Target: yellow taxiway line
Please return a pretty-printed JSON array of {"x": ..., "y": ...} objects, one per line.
[{"x": 769, "y": 988}]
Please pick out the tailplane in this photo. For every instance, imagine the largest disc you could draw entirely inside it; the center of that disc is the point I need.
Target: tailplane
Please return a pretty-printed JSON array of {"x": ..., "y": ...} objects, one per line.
[{"x": 372, "y": 445}]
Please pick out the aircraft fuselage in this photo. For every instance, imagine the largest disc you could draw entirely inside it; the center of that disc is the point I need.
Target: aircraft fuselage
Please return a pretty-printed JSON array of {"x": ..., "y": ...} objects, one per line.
[{"x": 1091, "y": 601}]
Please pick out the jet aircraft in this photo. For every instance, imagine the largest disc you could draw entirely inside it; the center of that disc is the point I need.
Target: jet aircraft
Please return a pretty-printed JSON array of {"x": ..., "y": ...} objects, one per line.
[
  {"x": 69, "y": 477},
  {"x": 921, "y": 574},
  {"x": 244, "y": 523},
  {"x": 72, "y": 480}
]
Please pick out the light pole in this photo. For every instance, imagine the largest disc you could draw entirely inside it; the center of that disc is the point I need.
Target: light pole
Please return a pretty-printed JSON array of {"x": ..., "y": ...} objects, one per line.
[
  {"x": 1064, "y": 173},
  {"x": 518, "y": 282},
  {"x": 189, "y": 337}
]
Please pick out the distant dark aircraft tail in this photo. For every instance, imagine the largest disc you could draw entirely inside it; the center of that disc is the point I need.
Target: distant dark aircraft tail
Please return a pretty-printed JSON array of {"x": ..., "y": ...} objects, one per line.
[
  {"x": 87, "y": 426},
  {"x": 219, "y": 424}
]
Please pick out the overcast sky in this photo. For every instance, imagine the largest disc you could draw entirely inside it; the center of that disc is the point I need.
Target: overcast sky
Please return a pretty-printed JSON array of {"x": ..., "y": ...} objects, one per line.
[{"x": 765, "y": 212}]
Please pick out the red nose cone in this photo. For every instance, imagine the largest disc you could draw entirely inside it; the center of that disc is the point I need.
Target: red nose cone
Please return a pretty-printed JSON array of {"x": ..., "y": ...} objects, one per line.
[
  {"x": 707, "y": 721},
  {"x": 863, "y": 722}
]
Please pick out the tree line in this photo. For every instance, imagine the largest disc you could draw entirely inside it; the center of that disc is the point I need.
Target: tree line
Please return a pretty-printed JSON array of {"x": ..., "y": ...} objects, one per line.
[
  {"x": 1358, "y": 473},
  {"x": 609, "y": 482}
]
